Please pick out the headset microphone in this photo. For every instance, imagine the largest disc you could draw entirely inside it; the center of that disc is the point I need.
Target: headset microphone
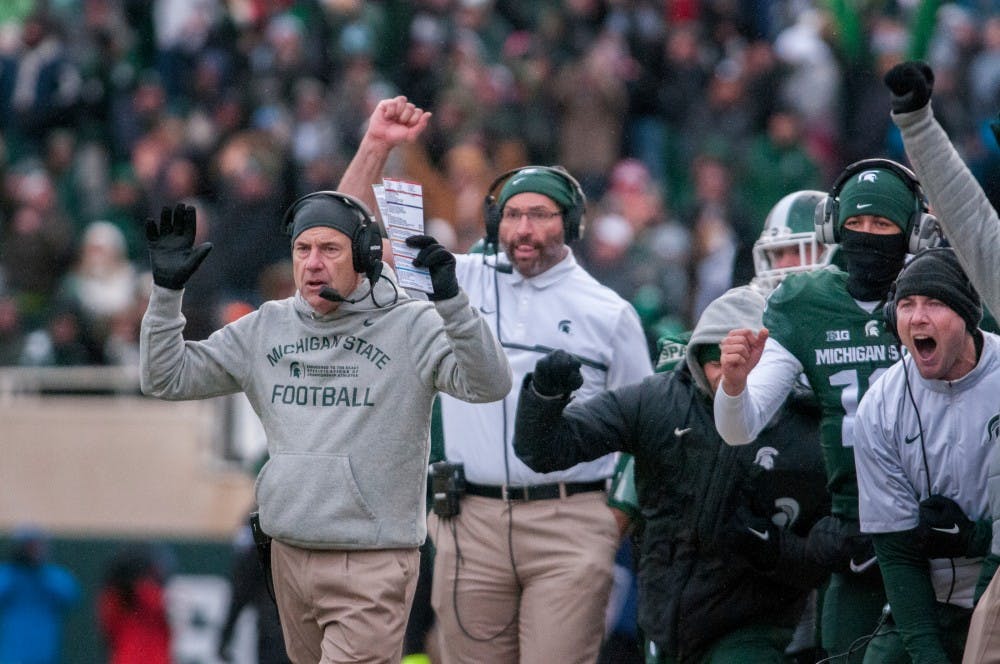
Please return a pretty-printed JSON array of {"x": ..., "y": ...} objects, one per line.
[
  {"x": 331, "y": 294},
  {"x": 498, "y": 265}
]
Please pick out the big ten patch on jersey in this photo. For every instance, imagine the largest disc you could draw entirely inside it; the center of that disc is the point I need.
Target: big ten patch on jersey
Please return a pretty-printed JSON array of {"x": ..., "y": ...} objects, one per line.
[
  {"x": 842, "y": 347},
  {"x": 844, "y": 357}
]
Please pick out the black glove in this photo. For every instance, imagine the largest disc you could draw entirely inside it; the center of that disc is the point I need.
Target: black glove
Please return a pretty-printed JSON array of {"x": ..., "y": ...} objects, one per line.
[
  {"x": 557, "y": 374},
  {"x": 838, "y": 545},
  {"x": 171, "y": 246},
  {"x": 911, "y": 84},
  {"x": 755, "y": 538},
  {"x": 944, "y": 530},
  {"x": 439, "y": 261}
]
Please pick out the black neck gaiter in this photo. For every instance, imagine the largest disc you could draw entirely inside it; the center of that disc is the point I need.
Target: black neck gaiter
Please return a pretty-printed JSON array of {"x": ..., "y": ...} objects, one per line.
[{"x": 873, "y": 261}]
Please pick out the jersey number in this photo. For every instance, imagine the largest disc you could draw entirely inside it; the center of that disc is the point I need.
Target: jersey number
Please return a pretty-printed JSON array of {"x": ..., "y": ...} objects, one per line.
[{"x": 849, "y": 396}]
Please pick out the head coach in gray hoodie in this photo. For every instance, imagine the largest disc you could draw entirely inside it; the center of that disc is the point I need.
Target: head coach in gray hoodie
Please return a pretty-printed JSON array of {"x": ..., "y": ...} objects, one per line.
[{"x": 342, "y": 376}]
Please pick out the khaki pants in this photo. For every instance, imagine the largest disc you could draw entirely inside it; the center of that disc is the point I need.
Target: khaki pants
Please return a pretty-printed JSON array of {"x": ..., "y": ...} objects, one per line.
[
  {"x": 552, "y": 609},
  {"x": 983, "y": 643},
  {"x": 343, "y": 606}
]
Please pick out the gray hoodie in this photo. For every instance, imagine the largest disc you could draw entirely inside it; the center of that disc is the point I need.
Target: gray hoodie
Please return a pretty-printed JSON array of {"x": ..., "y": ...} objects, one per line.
[
  {"x": 736, "y": 308},
  {"x": 345, "y": 400}
]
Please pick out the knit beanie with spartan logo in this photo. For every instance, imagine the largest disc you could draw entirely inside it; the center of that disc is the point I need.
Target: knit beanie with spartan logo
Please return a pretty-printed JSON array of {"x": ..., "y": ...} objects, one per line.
[
  {"x": 540, "y": 181},
  {"x": 880, "y": 192}
]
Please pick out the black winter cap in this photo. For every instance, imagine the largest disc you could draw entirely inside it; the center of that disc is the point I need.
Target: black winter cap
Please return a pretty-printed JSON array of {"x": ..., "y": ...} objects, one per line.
[{"x": 936, "y": 273}]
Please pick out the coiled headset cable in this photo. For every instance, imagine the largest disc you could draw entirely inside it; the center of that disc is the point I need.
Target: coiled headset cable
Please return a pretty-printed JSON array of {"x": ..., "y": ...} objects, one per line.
[{"x": 509, "y": 506}]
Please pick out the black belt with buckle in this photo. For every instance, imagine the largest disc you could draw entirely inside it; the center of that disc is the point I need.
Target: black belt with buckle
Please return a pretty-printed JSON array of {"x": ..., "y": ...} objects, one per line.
[{"x": 534, "y": 492}]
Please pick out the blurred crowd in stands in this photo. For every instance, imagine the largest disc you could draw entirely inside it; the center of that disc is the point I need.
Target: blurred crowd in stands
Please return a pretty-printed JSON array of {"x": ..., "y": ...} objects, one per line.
[{"x": 685, "y": 121}]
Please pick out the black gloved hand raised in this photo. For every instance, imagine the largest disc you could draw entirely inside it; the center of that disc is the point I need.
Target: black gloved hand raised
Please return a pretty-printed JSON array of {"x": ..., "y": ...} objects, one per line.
[
  {"x": 557, "y": 374},
  {"x": 911, "y": 84},
  {"x": 172, "y": 253},
  {"x": 838, "y": 545},
  {"x": 439, "y": 261},
  {"x": 755, "y": 538},
  {"x": 944, "y": 530}
]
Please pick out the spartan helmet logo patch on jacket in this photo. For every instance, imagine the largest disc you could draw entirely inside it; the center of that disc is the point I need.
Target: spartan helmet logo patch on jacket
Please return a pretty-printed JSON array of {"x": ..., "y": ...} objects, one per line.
[
  {"x": 872, "y": 328},
  {"x": 564, "y": 326},
  {"x": 993, "y": 428},
  {"x": 788, "y": 511},
  {"x": 765, "y": 458}
]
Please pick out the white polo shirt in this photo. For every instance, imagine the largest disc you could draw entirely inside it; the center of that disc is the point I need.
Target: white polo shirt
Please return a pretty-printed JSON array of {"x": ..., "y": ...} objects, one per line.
[{"x": 564, "y": 307}]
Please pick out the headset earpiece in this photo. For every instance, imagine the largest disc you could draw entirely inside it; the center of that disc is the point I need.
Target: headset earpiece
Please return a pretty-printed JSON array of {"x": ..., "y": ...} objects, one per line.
[
  {"x": 491, "y": 215},
  {"x": 573, "y": 217},
  {"x": 366, "y": 242},
  {"x": 925, "y": 232},
  {"x": 889, "y": 310},
  {"x": 826, "y": 221}
]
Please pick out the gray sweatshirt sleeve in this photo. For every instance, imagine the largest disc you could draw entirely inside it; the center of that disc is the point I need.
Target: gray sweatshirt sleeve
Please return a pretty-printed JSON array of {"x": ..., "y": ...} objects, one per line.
[
  {"x": 172, "y": 368},
  {"x": 466, "y": 361},
  {"x": 956, "y": 199}
]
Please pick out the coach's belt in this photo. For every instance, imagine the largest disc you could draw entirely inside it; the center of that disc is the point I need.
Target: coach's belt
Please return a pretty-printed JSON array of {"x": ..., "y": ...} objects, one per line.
[{"x": 535, "y": 491}]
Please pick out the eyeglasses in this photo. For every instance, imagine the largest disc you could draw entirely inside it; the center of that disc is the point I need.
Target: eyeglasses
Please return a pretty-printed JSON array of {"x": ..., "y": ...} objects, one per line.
[{"x": 533, "y": 214}]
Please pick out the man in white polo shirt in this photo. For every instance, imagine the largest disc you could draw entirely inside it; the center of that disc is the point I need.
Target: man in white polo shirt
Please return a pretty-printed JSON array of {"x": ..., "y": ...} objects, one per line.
[{"x": 523, "y": 572}]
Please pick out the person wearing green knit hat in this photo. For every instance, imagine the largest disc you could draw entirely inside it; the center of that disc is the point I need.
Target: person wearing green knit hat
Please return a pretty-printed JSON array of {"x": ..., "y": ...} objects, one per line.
[
  {"x": 787, "y": 245},
  {"x": 828, "y": 325},
  {"x": 537, "y": 212},
  {"x": 540, "y": 181},
  {"x": 708, "y": 353},
  {"x": 877, "y": 192},
  {"x": 538, "y": 546},
  {"x": 721, "y": 576},
  {"x": 876, "y": 209}
]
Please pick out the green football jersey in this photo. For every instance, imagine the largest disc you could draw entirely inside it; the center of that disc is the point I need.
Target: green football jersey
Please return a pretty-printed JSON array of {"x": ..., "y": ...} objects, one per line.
[{"x": 842, "y": 349}]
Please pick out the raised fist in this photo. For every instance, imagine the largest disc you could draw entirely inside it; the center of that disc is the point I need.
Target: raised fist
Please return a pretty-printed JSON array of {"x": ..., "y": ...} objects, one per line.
[
  {"x": 557, "y": 374},
  {"x": 911, "y": 84}
]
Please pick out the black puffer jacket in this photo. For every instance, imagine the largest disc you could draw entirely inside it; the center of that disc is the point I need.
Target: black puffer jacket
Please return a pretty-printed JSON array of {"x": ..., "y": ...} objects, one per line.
[{"x": 693, "y": 586}]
